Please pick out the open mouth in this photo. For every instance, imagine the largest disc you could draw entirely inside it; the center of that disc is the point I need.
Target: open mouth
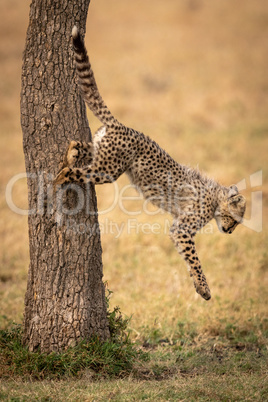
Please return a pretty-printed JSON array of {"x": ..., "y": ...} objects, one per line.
[{"x": 229, "y": 230}]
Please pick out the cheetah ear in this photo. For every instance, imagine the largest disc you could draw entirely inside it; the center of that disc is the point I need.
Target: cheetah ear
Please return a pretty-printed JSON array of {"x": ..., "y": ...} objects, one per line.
[
  {"x": 233, "y": 191},
  {"x": 237, "y": 205},
  {"x": 238, "y": 201}
]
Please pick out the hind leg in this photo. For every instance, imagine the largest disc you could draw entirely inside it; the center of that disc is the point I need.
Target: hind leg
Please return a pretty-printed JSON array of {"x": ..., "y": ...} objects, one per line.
[
  {"x": 106, "y": 165},
  {"x": 78, "y": 154}
]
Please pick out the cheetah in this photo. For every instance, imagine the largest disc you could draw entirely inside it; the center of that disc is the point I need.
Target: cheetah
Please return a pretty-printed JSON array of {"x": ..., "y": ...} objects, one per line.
[{"x": 190, "y": 197}]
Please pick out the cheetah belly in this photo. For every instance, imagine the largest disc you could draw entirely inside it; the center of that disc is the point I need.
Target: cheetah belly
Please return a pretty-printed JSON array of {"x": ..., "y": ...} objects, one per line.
[{"x": 160, "y": 191}]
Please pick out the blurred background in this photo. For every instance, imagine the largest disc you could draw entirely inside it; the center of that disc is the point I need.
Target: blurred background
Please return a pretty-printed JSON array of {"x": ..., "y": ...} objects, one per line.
[{"x": 192, "y": 75}]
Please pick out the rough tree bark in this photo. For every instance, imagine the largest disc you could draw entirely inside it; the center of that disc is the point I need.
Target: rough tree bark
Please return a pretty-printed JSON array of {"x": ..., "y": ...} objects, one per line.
[{"x": 65, "y": 298}]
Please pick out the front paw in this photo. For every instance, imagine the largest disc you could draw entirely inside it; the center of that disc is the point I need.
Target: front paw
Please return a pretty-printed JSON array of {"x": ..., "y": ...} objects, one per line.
[{"x": 203, "y": 290}]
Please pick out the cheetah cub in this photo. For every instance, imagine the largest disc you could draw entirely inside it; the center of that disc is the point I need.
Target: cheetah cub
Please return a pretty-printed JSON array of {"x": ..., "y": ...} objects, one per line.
[{"x": 192, "y": 199}]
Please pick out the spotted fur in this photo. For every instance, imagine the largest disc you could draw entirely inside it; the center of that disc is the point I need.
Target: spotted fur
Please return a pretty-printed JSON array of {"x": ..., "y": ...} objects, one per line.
[{"x": 191, "y": 198}]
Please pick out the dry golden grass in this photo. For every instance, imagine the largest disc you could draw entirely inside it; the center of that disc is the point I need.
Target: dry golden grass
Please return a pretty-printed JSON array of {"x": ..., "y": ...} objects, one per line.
[{"x": 193, "y": 76}]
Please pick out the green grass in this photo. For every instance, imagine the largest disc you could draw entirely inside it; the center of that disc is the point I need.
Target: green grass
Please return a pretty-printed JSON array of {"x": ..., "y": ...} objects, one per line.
[
  {"x": 191, "y": 367},
  {"x": 229, "y": 366},
  {"x": 103, "y": 359},
  {"x": 115, "y": 357}
]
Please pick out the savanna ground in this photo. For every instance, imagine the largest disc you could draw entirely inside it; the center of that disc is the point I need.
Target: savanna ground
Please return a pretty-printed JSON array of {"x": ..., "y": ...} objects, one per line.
[{"x": 192, "y": 74}]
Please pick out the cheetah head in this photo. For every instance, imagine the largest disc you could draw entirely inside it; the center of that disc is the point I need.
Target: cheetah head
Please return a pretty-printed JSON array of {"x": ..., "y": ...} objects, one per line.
[{"x": 230, "y": 211}]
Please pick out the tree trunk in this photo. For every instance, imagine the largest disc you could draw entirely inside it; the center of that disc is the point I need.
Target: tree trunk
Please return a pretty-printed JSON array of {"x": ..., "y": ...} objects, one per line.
[{"x": 65, "y": 298}]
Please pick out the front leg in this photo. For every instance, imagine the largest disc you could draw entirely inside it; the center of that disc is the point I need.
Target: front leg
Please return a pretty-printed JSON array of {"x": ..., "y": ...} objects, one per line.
[
  {"x": 88, "y": 174},
  {"x": 95, "y": 173},
  {"x": 182, "y": 233}
]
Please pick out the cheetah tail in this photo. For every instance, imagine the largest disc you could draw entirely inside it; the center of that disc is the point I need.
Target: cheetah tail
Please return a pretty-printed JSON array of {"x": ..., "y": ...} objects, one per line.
[{"x": 87, "y": 81}]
